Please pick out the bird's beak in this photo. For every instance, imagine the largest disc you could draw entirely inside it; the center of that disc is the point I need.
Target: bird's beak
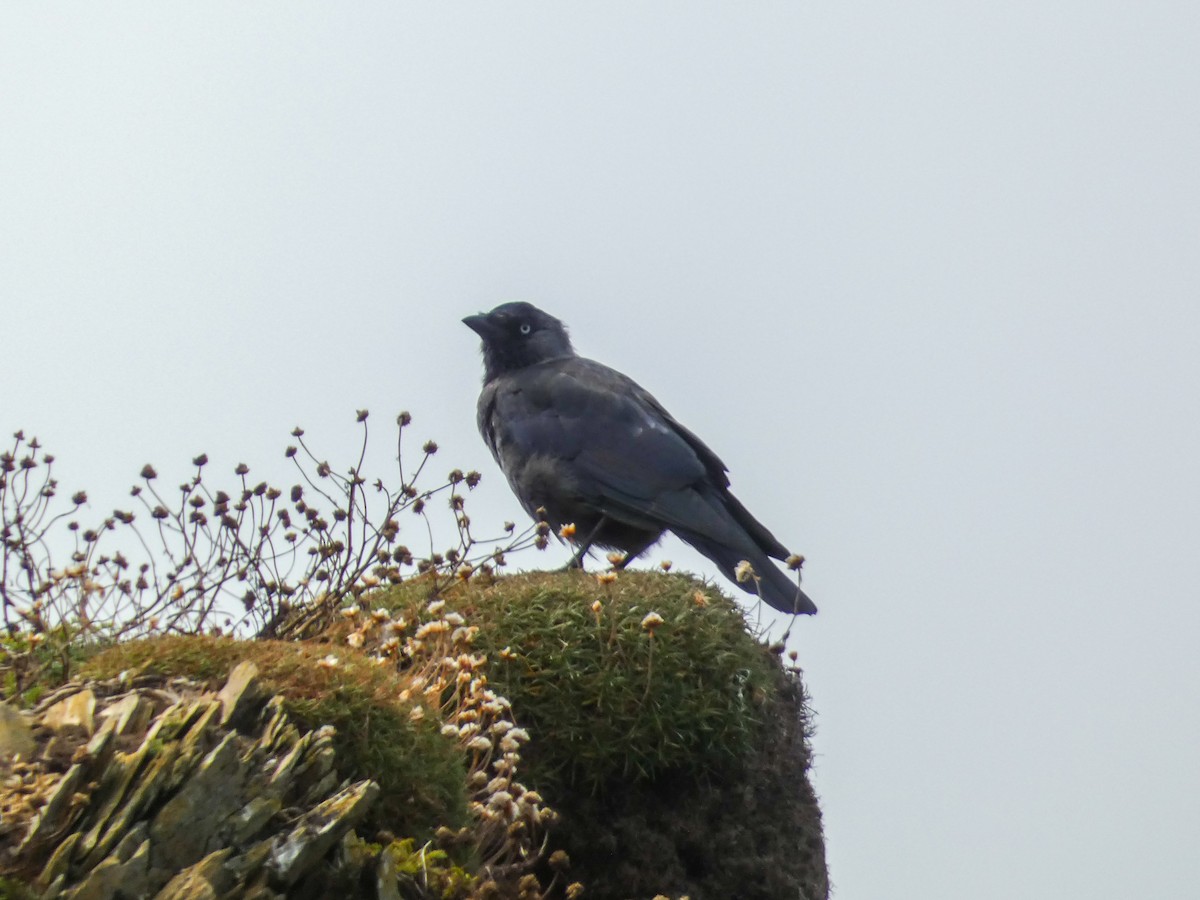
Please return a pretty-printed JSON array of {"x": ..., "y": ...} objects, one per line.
[{"x": 478, "y": 323}]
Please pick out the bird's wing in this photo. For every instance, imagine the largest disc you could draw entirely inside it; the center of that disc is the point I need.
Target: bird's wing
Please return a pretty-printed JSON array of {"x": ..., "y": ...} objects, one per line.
[{"x": 628, "y": 457}]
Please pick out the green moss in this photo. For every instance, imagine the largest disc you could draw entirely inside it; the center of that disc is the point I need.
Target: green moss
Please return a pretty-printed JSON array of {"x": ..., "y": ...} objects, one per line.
[
  {"x": 421, "y": 774},
  {"x": 600, "y": 695},
  {"x": 419, "y": 871},
  {"x": 32, "y": 696},
  {"x": 12, "y": 889},
  {"x": 30, "y": 668},
  {"x": 431, "y": 869}
]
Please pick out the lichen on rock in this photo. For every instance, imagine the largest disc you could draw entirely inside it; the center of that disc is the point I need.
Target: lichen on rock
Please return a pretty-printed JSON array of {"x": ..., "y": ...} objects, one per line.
[{"x": 176, "y": 803}]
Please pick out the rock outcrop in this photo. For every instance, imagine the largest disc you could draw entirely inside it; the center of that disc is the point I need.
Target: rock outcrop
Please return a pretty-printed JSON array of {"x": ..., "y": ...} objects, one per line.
[{"x": 160, "y": 788}]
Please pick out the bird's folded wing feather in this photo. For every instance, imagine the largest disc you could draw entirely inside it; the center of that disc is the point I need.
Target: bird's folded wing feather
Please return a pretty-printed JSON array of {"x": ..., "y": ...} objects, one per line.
[{"x": 625, "y": 450}]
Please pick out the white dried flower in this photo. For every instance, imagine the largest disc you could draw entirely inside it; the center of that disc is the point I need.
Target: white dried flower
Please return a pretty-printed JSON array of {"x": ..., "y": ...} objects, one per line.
[
  {"x": 652, "y": 621},
  {"x": 355, "y": 640},
  {"x": 438, "y": 626},
  {"x": 743, "y": 571},
  {"x": 500, "y": 798},
  {"x": 328, "y": 662},
  {"x": 479, "y": 744}
]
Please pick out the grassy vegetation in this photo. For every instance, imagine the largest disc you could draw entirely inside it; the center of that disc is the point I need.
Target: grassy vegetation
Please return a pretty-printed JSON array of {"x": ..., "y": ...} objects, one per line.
[
  {"x": 605, "y": 692},
  {"x": 421, "y": 773}
]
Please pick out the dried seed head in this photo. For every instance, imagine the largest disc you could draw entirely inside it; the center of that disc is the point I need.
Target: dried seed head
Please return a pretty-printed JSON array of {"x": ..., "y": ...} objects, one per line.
[
  {"x": 743, "y": 571},
  {"x": 795, "y": 561},
  {"x": 652, "y": 621},
  {"x": 148, "y": 472}
]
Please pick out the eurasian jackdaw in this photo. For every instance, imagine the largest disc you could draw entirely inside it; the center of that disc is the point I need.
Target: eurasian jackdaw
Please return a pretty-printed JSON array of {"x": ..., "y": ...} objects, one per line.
[{"x": 592, "y": 448}]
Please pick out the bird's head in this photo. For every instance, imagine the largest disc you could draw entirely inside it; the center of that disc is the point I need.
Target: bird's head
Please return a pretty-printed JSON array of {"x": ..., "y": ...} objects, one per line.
[{"x": 516, "y": 335}]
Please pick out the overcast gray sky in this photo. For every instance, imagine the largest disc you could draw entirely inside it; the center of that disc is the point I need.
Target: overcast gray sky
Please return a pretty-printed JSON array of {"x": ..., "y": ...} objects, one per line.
[{"x": 926, "y": 276}]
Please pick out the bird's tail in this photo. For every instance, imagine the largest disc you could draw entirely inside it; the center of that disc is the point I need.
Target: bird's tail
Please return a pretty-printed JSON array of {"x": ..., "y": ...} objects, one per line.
[{"x": 777, "y": 588}]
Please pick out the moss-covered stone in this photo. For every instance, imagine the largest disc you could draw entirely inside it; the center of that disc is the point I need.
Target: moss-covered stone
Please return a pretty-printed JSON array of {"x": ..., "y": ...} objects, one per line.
[
  {"x": 605, "y": 695},
  {"x": 679, "y": 760},
  {"x": 421, "y": 774}
]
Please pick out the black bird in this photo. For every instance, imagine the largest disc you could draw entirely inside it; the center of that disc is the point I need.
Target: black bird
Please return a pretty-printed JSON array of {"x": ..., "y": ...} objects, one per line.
[{"x": 592, "y": 448}]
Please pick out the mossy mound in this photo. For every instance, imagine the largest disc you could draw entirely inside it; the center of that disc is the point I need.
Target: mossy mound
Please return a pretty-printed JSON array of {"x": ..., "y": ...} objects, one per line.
[
  {"x": 607, "y": 693},
  {"x": 679, "y": 760},
  {"x": 421, "y": 774}
]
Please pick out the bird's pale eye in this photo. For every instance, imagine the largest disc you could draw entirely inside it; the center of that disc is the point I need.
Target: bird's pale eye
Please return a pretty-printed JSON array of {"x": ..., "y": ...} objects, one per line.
[{"x": 526, "y": 328}]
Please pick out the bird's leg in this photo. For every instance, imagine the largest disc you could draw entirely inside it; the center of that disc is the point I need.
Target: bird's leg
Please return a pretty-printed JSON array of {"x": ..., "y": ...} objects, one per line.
[
  {"x": 631, "y": 555},
  {"x": 576, "y": 561}
]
